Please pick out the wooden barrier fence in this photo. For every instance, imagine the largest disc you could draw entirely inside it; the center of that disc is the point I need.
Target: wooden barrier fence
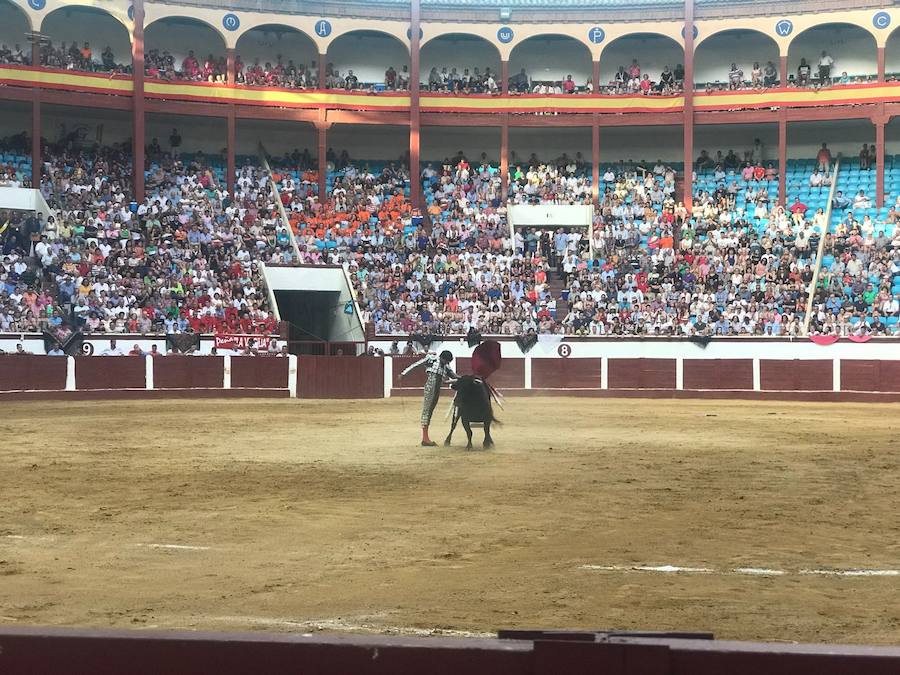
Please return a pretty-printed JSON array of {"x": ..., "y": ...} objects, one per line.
[{"x": 27, "y": 376}]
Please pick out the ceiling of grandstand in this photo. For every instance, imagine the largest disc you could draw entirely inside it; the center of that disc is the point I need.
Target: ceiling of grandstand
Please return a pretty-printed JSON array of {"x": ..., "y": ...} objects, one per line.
[{"x": 529, "y": 10}]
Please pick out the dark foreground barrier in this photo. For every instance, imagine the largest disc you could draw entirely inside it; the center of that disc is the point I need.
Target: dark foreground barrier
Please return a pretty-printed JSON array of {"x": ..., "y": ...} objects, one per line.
[{"x": 68, "y": 651}]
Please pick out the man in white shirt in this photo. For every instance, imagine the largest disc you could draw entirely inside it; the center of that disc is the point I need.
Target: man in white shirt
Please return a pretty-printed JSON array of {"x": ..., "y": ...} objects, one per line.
[
  {"x": 815, "y": 180},
  {"x": 825, "y": 63},
  {"x": 112, "y": 350}
]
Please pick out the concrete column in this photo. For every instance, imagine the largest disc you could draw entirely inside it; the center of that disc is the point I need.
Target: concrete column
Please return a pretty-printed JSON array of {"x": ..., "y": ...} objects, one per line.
[
  {"x": 504, "y": 156},
  {"x": 230, "y": 68},
  {"x": 36, "y": 121},
  {"x": 148, "y": 372},
  {"x": 137, "y": 99},
  {"x": 782, "y": 159},
  {"x": 756, "y": 377},
  {"x": 879, "y": 163},
  {"x": 322, "y": 131},
  {"x": 687, "y": 197},
  {"x": 226, "y": 371},
  {"x": 595, "y": 159},
  {"x": 229, "y": 149},
  {"x": 292, "y": 375},
  {"x": 388, "y": 375},
  {"x": 70, "y": 373},
  {"x": 415, "y": 184},
  {"x": 836, "y": 375},
  {"x": 322, "y": 61}
]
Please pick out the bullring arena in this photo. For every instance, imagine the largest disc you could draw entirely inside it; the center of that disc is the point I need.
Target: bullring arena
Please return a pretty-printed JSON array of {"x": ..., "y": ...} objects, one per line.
[
  {"x": 274, "y": 510},
  {"x": 256, "y": 257},
  {"x": 286, "y": 515}
]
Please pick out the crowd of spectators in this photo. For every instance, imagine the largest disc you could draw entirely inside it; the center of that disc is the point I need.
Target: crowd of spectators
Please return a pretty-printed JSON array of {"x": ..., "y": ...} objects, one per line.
[
  {"x": 819, "y": 72},
  {"x": 394, "y": 80},
  {"x": 280, "y": 74},
  {"x": 564, "y": 180},
  {"x": 83, "y": 58},
  {"x": 14, "y": 55},
  {"x": 631, "y": 80},
  {"x": 187, "y": 257},
  {"x": 184, "y": 259},
  {"x": 452, "y": 81},
  {"x": 778, "y": 247},
  {"x": 853, "y": 295},
  {"x": 162, "y": 65}
]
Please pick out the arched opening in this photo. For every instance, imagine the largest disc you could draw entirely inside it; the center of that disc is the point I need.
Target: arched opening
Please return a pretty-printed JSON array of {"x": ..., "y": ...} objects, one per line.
[
  {"x": 179, "y": 48},
  {"x": 460, "y": 62},
  {"x": 626, "y": 60},
  {"x": 14, "y": 49},
  {"x": 87, "y": 39},
  {"x": 892, "y": 56},
  {"x": 548, "y": 62},
  {"x": 276, "y": 56},
  {"x": 367, "y": 59},
  {"x": 753, "y": 54},
  {"x": 834, "y": 53}
]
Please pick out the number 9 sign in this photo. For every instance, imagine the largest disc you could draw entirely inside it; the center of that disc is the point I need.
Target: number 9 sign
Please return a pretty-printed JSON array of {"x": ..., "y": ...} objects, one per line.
[
  {"x": 87, "y": 349},
  {"x": 564, "y": 350}
]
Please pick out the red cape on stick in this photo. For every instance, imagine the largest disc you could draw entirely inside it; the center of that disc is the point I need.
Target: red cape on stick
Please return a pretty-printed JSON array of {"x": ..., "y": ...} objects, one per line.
[{"x": 486, "y": 358}]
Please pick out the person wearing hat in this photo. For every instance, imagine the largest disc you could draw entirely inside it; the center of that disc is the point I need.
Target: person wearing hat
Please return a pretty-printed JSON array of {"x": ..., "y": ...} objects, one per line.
[{"x": 439, "y": 371}]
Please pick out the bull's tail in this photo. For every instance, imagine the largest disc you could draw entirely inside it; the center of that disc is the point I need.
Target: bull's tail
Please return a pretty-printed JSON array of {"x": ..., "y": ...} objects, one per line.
[{"x": 496, "y": 397}]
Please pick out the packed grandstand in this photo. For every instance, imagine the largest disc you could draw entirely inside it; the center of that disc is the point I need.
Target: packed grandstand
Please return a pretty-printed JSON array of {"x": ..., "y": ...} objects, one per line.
[{"x": 432, "y": 249}]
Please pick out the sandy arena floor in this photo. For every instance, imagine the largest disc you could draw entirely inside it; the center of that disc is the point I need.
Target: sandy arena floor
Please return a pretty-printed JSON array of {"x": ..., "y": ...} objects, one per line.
[{"x": 286, "y": 515}]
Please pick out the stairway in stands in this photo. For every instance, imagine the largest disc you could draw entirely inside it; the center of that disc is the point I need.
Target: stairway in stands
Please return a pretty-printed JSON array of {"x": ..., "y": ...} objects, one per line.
[{"x": 556, "y": 287}]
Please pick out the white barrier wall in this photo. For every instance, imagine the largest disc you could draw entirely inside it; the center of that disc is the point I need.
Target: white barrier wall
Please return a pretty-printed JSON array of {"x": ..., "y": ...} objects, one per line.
[{"x": 550, "y": 215}]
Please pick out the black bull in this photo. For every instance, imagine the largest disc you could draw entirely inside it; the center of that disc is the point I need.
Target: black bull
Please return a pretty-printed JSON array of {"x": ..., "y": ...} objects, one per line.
[{"x": 472, "y": 404}]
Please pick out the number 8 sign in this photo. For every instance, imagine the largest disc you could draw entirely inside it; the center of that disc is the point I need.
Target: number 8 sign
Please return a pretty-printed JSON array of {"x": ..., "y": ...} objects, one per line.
[{"x": 564, "y": 350}]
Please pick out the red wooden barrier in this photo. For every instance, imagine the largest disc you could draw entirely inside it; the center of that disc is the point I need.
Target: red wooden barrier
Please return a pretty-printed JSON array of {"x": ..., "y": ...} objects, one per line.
[
  {"x": 795, "y": 375},
  {"x": 561, "y": 373},
  {"x": 870, "y": 375},
  {"x": 718, "y": 374},
  {"x": 340, "y": 377},
  {"x": 268, "y": 372},
  {"x": 26, "y": 372},
  {"x": 188, "y": 372},
  {"x": 641, "y": 373},
  {"x": 511, "y": 374},
  {"x": 414, "y": 379},
  {"x": 110, "y": 372}
]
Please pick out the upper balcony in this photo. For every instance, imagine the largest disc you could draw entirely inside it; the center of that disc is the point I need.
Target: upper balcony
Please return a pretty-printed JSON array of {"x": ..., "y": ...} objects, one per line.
[{"x": 276, "y": 60}]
